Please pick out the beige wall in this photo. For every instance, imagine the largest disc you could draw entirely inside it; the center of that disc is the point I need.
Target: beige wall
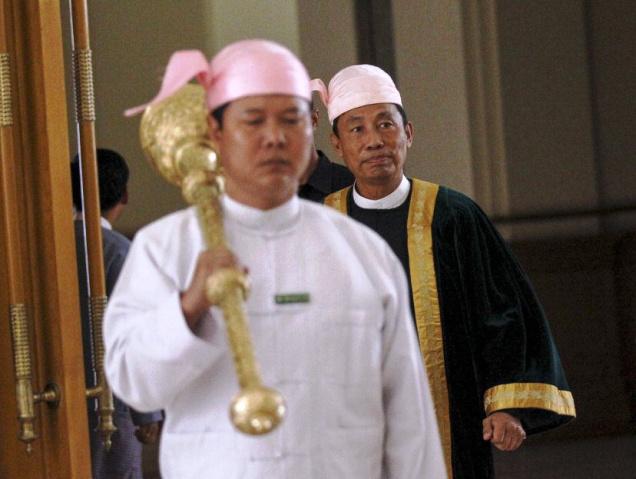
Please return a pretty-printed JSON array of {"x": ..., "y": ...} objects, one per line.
[
  {"x": 500, "y": 92},
  {"x": 526, "y": 106},
  {"x": 235, "y": 20},
  {"x": 567, "y": 72},
  {"x": 327, "y": 44},
  {"x": 131, "y": 44},
  {"x": 431, "y": 75},
  {"x": 547, "y": 113}
]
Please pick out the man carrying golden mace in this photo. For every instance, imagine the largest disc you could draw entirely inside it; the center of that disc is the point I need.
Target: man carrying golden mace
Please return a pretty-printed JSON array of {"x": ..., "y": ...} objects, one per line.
[{"x": 327, "y": 308}]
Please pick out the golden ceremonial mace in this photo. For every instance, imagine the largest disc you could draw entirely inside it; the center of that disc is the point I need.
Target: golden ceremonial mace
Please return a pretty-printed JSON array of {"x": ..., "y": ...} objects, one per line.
[{"x": 174, "y": 138}]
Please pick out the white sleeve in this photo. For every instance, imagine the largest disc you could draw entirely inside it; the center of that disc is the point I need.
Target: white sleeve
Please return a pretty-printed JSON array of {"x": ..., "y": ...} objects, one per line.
[
  {"x": 412, "y": 443},
  {"x": 151, "y": 353}
]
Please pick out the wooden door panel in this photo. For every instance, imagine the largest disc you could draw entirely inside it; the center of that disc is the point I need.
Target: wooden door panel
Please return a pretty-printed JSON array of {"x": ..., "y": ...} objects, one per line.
[{"x": 40, "y": 157}]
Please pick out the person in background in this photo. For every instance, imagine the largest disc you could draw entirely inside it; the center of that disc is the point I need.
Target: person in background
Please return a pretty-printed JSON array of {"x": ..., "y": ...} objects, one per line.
[
  {"x": 124, "y": 459},
  {"x": 493, "y": 367},
  {"x": 322, "y": 176}
]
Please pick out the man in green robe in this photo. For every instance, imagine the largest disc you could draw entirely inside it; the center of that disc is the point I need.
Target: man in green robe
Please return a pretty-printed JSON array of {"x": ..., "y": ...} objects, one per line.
[{"x": 493, "y": 368}]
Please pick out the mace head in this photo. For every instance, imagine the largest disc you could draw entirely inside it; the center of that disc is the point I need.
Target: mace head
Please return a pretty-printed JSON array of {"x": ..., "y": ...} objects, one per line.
[
  {"x": 174, "y": 137},
  {"x": 257, "y": 410}
]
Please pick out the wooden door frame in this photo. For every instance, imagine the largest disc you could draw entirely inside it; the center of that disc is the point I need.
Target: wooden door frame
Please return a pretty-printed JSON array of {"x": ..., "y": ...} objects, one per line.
[{"x": 41, "y": 161}]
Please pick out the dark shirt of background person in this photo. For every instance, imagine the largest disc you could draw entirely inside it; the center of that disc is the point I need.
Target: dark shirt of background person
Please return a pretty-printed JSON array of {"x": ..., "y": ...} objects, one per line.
[{"x": 327, "y": 178}]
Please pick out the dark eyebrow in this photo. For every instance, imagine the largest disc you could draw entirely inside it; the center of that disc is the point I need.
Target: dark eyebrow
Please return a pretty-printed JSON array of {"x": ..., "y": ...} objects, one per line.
[
  {"x": 252, "y": 111},
  {"x": 259, "y": 111},
  {"x": 380, "y": 116},
  {"x": 353, "y": 119},
  {"x": 384, "y": 114},
  {"x": 292, "y": 109}
]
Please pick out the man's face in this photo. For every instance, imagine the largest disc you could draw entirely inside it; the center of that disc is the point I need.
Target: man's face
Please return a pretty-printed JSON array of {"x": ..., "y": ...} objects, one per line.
[
  {"x": 264, "y": 146},
  {"x": 373, "y": 141}
]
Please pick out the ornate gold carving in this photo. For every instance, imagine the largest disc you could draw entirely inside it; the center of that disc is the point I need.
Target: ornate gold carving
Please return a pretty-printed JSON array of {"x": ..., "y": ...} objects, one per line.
[
  {"x": 6, "y": 112},
  {"x": 84, "y": 90},
  {"x": 173, "y": 136}
]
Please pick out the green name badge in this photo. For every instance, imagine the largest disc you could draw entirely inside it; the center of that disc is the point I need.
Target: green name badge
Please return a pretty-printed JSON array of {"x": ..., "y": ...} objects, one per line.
[{"x": 291, "y": 298}]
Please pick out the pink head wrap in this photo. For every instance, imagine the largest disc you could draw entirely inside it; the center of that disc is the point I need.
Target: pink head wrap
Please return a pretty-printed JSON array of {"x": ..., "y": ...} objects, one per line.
[
  {"x": 244, "y": 68},
  {"x": 355, "y": 86}
]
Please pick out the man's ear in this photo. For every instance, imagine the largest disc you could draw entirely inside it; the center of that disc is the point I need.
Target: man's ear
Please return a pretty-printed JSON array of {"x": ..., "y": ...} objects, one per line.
[
  {"x": 335, "y": 143},
  {"x": 214, "y": 129},
  {"x": 124, "y": 197},
  {"x": 408, "y": 129}
]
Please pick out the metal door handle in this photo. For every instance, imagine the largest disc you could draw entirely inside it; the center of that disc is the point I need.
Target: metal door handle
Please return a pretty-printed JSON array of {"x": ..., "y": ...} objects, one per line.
[
  {"x": 25, "y": 397},
  {"x": 23, "y": 374},
  {"x": 106, "y": 405}
]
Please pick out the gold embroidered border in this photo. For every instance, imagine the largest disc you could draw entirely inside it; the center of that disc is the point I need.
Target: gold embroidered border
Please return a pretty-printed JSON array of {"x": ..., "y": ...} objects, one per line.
[
  {"x": 426, "y": 304},
  {"x": 338, "y": 200},
  {"x": 529, "y": 395}
]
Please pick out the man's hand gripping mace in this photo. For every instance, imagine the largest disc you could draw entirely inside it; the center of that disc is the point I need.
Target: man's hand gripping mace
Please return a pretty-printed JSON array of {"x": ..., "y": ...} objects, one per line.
[{"x": 173, "y": 136}]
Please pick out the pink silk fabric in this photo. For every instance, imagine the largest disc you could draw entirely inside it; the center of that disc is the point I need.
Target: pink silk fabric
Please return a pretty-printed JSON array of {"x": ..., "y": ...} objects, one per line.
[
  {"x": 356, "y": 86},
  {"x": 244, "y": 68}
]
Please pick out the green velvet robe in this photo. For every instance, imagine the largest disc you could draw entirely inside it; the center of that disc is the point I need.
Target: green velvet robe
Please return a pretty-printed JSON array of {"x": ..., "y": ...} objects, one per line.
[{"x": 483, "y": 335}]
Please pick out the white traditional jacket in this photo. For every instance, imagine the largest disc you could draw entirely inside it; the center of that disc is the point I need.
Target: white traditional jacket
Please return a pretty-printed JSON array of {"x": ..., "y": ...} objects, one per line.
[{"x": 346, "y": 361}]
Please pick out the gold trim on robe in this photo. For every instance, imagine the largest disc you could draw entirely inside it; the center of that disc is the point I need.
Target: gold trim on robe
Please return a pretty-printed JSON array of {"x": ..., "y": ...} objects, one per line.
[
  {"x": 529, "y": 395},
  {"x": 426, "y": 304},
  {"x": 338, "y": 200}
]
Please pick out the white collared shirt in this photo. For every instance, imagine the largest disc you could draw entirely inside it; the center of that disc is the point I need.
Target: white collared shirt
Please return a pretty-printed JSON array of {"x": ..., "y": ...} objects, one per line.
[
  {"x": 105, "y": 223},
  {"x": 392, "y": 200},
  {"x": 79, "y": 215},
  {"x": 266, "y": 222}
]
